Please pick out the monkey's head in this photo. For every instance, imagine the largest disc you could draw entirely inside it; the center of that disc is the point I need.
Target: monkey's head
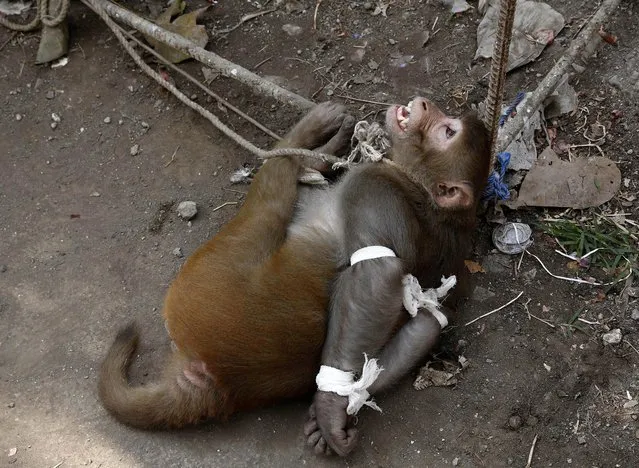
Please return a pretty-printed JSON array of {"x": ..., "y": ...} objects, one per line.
[{"x": 450, "y": 157}]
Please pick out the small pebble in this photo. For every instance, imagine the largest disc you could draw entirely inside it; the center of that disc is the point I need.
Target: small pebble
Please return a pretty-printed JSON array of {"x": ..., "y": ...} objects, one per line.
[
  {"x": 144, "y": 124},
  {"x": 107, "y": 120},
  {"x": 630, "y": 404},
  {"x": 50, "y": 94},
  {"x": 177, "y": 252},
  {"x": 514, "y": 422},
  {"x": 612, "y": 337},
  {"x": 18, "y": 117},
  {"x": 95, "y": 194},
  {"x": 135, "y": 149},
  {"x": 54, "y": 125},
  {"x": 292, "y": 29},
  {"x": 3, "y": 268},
  {"x": 11, "y": 405},
  {"x": 581, "y": 440},
  {"x": 187, "y": 210},
  {"x": 55, "y": 117},
  {"x": 392, "y": 41},
  {"x": 635, "y": 314},
  {"x": 637, "y": 434},
  {"x": 455, "y": 461}
]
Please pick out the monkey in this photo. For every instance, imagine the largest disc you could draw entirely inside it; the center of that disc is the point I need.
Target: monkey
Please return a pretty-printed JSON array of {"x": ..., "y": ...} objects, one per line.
[
  {"x": 257, "y": 311},
  {"x": 423, "y": 208}
]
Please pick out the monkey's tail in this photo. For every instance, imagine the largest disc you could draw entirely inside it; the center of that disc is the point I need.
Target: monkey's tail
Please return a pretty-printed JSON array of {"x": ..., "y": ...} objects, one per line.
[{"x": 161, "y": 405}]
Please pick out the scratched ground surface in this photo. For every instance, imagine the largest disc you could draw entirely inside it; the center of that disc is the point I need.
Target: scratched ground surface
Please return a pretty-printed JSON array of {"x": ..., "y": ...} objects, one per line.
[{"x": 74, "y": 266}]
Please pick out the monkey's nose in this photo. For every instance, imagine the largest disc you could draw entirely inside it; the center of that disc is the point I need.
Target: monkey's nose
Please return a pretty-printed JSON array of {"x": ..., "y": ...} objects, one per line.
[{"x": 420, "y": 101}]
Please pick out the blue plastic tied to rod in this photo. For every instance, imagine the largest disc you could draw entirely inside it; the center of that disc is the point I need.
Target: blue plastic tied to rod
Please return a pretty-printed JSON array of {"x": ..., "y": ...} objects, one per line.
[
  {"x": 511, "y": 108},
  {"x": 496, "y": 187}
]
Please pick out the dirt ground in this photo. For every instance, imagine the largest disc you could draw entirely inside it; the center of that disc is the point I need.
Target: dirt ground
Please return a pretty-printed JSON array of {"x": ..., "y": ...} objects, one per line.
[{"x": 88, "y": 230}]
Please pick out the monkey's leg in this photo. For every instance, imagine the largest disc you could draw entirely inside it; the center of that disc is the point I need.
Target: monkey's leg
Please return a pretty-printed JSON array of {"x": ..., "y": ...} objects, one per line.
[{"x": 270, "y": 203}]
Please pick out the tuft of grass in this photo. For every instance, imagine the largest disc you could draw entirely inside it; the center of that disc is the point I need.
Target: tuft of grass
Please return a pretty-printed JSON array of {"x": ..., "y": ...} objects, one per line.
[{"x": 618, "y": 247}]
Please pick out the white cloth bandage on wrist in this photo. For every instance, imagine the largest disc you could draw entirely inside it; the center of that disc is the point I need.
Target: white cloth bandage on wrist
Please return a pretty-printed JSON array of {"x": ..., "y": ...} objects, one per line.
[
  {"x": 415, "y": 297},
  {"x": 330, "y": 379}
]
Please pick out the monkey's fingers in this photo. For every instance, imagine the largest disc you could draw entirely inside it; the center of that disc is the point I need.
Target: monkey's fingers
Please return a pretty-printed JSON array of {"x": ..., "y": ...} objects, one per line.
[
  {"x": 313, "y": 438},
  {"x": 320, "y": 446},
  {"x": 343, "y": 441},
  {"x": 310, "y": 426}
]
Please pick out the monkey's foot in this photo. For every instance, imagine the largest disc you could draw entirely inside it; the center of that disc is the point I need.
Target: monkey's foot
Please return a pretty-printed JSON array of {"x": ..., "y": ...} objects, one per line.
[
  {"x": 195, "y": 373},
  {"x": 327, "y": 128},
  {"x": 328, "y": 428}
]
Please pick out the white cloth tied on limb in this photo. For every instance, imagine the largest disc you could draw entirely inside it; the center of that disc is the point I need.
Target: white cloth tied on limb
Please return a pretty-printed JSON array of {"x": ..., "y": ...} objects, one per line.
[
  {"x": 414, "y": 296},
  {"x": 343, "y": 383},
  {"x": 330, "y": 379}
]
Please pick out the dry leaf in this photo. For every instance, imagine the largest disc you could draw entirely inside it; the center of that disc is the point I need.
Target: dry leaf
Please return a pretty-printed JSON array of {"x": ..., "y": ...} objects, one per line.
[
  {"x": 606, "y": 36},
  {"x": 581, "y": 183},
  {"x": 184, "y": 25},
  {"x": 573, "y": 266},
  {"x": 474, "y": 267},
  {"x": 601, "y": 296}
]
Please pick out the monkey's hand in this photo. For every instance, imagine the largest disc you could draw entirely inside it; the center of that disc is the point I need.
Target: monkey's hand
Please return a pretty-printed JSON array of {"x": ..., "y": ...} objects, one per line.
[
  {"x": 327, "y": 128},
  {"x": 329, "y": 429}
]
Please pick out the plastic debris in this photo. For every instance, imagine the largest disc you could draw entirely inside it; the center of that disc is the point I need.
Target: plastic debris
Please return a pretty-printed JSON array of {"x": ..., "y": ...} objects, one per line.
[
  {"x": 13, "y": 7},
  {"x": 456, "y": 6},
  {"x": 536, "y": 25},
  {"x": 512, "y": 238},
  {"x": 523, "y": 151},
  {"x": 243, "y": 175},
  {"x": 562, "y": 101}
]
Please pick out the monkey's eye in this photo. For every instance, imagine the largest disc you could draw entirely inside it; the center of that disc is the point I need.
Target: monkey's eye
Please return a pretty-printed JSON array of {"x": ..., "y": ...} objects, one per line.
[{"x": 450, "y": 133}]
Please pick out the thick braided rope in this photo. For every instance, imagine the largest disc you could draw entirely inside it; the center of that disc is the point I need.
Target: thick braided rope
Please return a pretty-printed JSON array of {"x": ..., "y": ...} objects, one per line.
[
  {"x": 260, "y": 153},
  {"x": 42, "y": 16},
  {"x": 498, "y": 68}
]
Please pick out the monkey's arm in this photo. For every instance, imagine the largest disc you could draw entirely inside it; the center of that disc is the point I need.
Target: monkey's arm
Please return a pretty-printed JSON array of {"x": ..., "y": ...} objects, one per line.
[
  {"x": 367, "y": 300},
  {"x": 411, "y": 343}
]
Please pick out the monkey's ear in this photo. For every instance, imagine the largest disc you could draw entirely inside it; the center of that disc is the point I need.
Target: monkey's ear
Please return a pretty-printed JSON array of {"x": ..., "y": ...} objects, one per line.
[{"x": 453, "y": 195}]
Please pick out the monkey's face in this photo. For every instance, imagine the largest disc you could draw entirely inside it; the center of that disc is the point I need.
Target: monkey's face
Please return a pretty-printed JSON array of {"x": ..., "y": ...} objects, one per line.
[
  {"x": 421, "y": 122},
  {"x": 440, "y": 151}
]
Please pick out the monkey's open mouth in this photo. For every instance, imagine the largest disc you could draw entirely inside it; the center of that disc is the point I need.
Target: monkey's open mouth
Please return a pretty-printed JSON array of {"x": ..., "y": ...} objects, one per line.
[{"x": 403, "y": 115}]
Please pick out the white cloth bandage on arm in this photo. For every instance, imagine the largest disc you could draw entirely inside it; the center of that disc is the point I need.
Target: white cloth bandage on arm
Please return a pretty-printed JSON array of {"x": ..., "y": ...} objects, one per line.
[
  {"x": 370, "y": 253},
  {"x": 330, "y": 379},
  {"x": 415, "y": 297}
]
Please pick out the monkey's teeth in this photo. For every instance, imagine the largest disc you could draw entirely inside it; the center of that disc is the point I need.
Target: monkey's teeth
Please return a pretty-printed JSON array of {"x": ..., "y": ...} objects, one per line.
[{"x": 403, "y": 116}]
